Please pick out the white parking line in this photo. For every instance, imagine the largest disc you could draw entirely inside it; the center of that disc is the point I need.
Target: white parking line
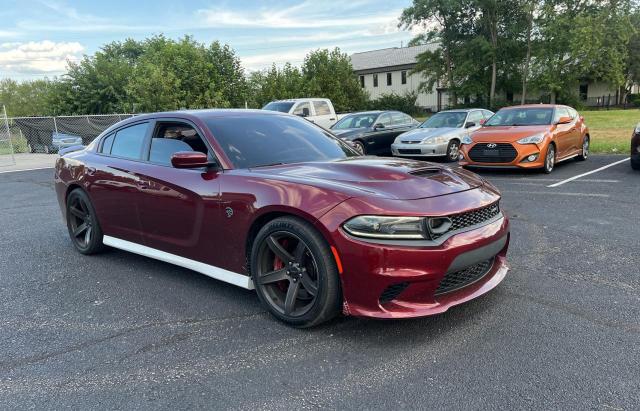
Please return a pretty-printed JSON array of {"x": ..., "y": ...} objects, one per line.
[
  {"x": 559, "y": 193},
  {"x": 25, "y": 169},
  {"x": 586, "y": 174}
]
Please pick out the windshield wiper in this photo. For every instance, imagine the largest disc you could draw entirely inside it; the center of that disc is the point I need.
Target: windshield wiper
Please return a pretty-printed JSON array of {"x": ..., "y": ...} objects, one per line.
[{"x": 268, "y": 165}]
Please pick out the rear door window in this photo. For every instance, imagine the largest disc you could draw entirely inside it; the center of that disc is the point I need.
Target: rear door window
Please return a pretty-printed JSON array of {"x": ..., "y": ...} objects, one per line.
[
  {"x": 322, "y": 108},
  {"x": 129, "y": 141}
]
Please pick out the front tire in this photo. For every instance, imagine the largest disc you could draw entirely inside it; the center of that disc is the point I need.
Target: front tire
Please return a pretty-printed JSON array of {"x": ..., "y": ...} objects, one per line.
[
  {"x": 453, "y": 150},
  {"x": 360, "y": 147},
  {"x": 585, "y": 149},
  {"x": 82, "y": 223},
  {"x": 550, "y": 159},
  {"x": 294, "y": 273}
]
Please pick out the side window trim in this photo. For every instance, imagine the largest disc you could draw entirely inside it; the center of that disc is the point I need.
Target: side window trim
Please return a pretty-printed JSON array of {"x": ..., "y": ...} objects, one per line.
[{"x": 115, "y": 133}]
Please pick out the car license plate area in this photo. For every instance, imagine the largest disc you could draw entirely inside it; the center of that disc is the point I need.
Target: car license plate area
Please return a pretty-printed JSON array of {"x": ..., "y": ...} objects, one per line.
[{"x": 491, "y": 153}]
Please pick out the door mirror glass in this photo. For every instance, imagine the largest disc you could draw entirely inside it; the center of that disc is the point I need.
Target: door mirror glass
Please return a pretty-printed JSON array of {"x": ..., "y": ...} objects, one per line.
[
  {"x": 378, "y": 126},
  {"x": 189, "y": 159},
  {"x": 469, "y": 124},
  {"x": 564, "y": 120}
]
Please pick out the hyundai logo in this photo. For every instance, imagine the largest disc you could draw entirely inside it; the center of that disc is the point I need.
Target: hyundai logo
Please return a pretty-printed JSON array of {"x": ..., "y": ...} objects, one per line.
[{"x": 492, "y": 145}]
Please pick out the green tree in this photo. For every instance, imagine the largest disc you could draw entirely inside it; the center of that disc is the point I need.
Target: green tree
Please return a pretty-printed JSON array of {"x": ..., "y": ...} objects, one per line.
[{"x": 329, "y": 74}]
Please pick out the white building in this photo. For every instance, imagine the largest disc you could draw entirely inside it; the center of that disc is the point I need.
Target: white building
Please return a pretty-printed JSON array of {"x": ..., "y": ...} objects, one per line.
[{"x": 387, "y": 71}]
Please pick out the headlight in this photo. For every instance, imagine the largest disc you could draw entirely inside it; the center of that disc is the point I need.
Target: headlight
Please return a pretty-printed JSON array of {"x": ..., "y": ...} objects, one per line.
[
  {"x": 435, "y": 140},
  {"x": 387, "y": 227},
  {"x": 467, "y": 140},
  {"x": 534, "y": 139}
]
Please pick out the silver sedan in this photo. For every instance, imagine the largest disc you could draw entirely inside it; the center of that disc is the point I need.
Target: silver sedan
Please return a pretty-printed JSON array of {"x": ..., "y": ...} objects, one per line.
[{"x": 440, "y": 135}]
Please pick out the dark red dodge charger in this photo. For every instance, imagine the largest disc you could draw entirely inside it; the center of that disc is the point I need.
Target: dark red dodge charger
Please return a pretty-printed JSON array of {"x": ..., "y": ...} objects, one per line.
[{"x": 270, "y": 201}]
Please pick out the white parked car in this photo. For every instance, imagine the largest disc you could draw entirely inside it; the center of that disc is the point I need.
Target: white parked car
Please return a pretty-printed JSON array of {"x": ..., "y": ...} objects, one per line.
[
  {"x": 316, "y": 110},
  {"x": 441, "y": 134}
]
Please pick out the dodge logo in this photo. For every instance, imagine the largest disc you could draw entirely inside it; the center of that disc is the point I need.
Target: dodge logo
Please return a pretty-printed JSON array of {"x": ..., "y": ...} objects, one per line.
[{"x": 492, "y": 145}]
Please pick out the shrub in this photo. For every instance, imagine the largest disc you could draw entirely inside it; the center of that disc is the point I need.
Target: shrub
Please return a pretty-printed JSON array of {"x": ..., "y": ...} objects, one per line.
[{"x": 405, "y": 103}]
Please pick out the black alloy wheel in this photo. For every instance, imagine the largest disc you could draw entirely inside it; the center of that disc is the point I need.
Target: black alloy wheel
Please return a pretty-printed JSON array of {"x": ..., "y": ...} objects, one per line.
[
  {"x": 294, "y": 273},
  {"x": 84, "y": 230}
]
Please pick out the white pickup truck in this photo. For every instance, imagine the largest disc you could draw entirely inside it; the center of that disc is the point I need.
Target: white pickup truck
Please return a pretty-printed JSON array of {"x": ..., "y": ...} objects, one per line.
[{"x": 316, "y": 110}]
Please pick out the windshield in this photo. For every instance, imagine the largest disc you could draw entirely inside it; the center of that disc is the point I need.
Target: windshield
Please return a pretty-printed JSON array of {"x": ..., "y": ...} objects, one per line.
[
  {"x": 521, "y": 117},
  {"x": 448, "y": 119},
  {"x": 254, "y": 141},
  {"x": 281, "y": 106},
  {"x": 356, "y": 121}
]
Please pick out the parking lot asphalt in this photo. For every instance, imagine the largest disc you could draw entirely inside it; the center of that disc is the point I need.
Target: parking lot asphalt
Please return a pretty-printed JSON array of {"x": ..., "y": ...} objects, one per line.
[{"x": 118, "y": 331}]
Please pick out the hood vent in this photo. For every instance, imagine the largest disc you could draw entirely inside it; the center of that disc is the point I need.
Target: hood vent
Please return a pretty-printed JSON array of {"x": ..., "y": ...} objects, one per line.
[{"x": 425, "y": 172}]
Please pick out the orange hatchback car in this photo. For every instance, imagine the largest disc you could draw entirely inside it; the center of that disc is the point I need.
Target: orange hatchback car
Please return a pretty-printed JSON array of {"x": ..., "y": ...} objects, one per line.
[{"x": 530, "y": 136}]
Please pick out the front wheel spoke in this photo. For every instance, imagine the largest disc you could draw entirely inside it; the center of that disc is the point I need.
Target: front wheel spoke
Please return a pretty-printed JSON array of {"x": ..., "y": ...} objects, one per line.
[
  {"x": 87, "y": 235},
  {"x": 298, "y": 253},
  {"x": 279, "y": 250},
  {"x": 273, "y": 276},
  {"x": 78, "y": 213},
  {"x": 292, "y": 295},
  {"x": 80, "y": 229},
  {"x": 309, "y": 284}
]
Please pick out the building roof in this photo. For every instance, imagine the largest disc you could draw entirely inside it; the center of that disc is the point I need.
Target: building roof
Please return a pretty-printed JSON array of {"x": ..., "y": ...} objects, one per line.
[{"x": 391, "y": 57}]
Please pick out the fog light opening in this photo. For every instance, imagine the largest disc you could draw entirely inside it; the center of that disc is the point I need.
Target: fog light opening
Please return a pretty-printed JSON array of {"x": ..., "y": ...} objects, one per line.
[{"x": 530, "y": 158}]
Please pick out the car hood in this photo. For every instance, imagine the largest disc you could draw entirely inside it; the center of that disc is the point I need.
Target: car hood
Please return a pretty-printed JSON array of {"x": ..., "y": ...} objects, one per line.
[
  {"x": 376, "y": 176},
  {"x": 420, "y": 134},
  {"x": 507, "y": 134}
]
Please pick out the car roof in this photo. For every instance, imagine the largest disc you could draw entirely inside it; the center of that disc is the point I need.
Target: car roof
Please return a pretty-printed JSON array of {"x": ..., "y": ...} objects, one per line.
[
  {"x": 210, "y": 113},
  {"x": 534, "y": 106},
  {"x": 462, "y": 110},
  {"x": 370, "y": 112},
  {"x": 293, "y": 100}
]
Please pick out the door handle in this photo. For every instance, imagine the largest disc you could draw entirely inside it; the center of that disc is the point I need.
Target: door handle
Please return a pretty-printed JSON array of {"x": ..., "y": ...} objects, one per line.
[{"x": 332, "y": 119}]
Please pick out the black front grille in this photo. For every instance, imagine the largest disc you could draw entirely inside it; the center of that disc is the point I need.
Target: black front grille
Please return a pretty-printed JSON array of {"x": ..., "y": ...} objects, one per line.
[
  {"x": 463, "y": 278},
  {"x": 411, "y": 142},
  {"x": 409, "y": 151},
  {"x": 392, "y": 292},
  {"x": 493, "y": 153},
  {"x": 470, "y": 218}
]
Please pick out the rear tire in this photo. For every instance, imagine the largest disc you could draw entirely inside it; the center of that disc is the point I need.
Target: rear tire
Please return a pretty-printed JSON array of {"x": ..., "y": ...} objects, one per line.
[
  {"x": 550, "y": 159},
  {"x": 82, "y": 223},
  {"x": 294, "y": 273},
  {"x": 585, "y": 149}
]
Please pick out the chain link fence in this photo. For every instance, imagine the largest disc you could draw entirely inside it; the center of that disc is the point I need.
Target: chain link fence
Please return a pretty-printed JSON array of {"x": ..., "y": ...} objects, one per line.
[{"x": 49, "y": 134}]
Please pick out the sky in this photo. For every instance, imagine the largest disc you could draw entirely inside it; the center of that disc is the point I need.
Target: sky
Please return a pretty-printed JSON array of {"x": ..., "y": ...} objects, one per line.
[{"x": 37, "y": 38}]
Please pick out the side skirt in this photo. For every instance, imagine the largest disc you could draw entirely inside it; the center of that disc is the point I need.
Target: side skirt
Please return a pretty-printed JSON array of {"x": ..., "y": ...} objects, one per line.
[{"x": 206, "y": 269}]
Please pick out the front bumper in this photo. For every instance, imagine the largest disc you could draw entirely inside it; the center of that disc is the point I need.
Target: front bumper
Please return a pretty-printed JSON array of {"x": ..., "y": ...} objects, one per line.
[
  {"x": 419, "y": 150},
  {"x": 520, "y": 161},
  {"x": 370, "y": 270}
]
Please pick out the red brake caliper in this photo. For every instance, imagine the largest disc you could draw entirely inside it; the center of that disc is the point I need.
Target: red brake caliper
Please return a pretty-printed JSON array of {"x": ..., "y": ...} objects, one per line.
[{"x": 279, "y": 264}]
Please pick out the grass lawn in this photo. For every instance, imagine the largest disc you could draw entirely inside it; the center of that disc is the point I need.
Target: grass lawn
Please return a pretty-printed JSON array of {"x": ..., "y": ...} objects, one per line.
[{"x": 610, "y": 130}]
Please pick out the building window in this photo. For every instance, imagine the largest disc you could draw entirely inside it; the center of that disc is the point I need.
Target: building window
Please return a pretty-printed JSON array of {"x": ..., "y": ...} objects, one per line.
[
  {"x": 403, "y": 75},
  {"x": 584, "y": 91},
  {"x": 375, "y": 80},
  {"x": 388, "y": 79},
  {"x": 362, "y": 81}
]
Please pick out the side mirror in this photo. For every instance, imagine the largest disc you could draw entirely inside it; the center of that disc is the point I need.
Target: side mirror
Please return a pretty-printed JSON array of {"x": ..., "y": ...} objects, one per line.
[
  {"x": 378, "y": 126},
  {"x": 564, "y": 120},
  {"x": 190, "y": 159},
  {"x": 469, "y": 124}
]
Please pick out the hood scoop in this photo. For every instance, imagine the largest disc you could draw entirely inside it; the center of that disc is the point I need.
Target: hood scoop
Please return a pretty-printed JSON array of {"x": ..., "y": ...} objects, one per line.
[{"x": 426, "y": 172}]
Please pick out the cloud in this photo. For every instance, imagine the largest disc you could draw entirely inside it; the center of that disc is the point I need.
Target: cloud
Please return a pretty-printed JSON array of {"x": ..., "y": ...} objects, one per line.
[
  {"x": 309, "y": 14},
  {"x": 44, "y": 57}
]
